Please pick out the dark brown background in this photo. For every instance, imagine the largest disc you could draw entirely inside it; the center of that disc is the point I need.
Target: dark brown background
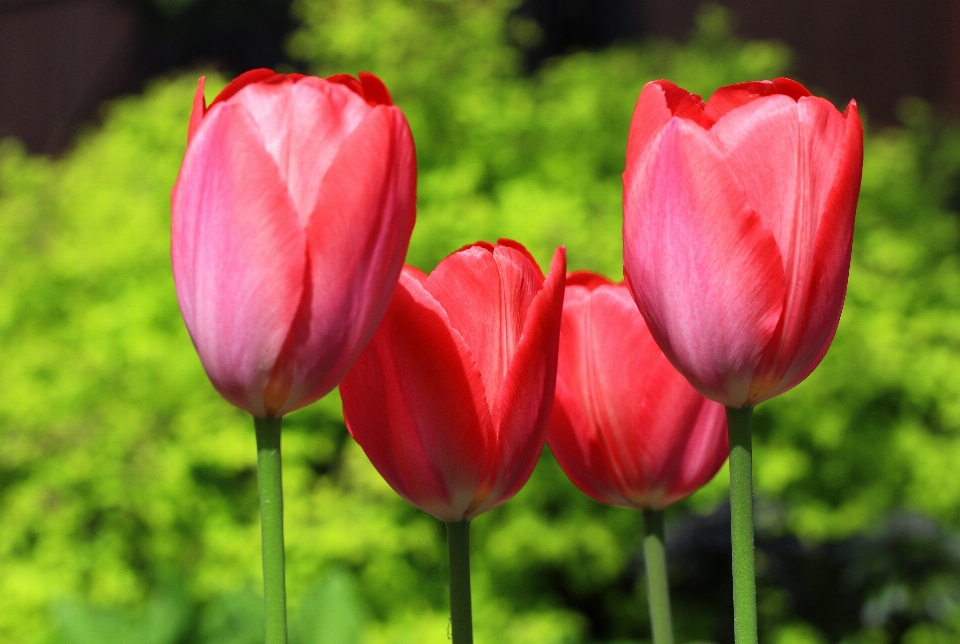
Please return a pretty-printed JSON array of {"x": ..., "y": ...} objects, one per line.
[{"x": 59, "y": 59}]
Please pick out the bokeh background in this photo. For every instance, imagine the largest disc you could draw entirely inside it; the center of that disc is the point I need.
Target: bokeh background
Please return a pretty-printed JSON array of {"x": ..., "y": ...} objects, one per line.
[{"x": 128, "y": 503}]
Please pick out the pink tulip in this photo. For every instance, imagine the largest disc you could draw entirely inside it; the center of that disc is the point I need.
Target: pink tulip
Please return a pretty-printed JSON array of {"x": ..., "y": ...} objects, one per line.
[
  {"x": 451, "y": 399},
  {"x": 627, "y": 428},
  {"x": 738, "y": 225},
  {"x": 291, "y": 218}
]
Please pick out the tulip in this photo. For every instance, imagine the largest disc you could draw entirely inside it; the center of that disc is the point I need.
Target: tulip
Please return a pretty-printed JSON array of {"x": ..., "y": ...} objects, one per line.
[
  {"x": 737, "y": 231},
  {"x": 627, "y": 428},
  {"x": 291, "y": 217},
  {"x": 737, "y": 234},
  {"x": 451, "y": 399},
  {"x": 292, "y": 214}
]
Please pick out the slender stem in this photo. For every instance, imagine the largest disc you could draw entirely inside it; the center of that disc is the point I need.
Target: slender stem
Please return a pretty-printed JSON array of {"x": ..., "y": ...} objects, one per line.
[
  {"x": 658, "y": 590},
  {"x": 458, "y": 550},
  {"x": 741, "y": 525},
  {"x": 271, "y": 528}
]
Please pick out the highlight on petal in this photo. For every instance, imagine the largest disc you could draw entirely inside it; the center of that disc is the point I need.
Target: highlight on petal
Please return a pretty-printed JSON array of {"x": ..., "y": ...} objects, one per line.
[
  {"x": 704, "y": 271},
  {"x": 303, "y": 124},
  {"x": 238, "y": 256},
  {"x": 415, "y": 404}
]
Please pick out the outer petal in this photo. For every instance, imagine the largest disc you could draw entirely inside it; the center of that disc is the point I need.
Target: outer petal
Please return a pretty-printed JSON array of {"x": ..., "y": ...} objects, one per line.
[
  {"x": 199, "y": 110},
  {"x": 250, "y": 77},
  {"x": 374, "y": 91},
  {"x": 682, "y": 436},
  {"x": 303, "y": 124},
  {"x": 784, "y": 152},
  {"x": 238, "y": 256},
  {"x": 705, "y": 451},
  {"x": 415, "y": 404},
  {"x": 660, "y": 101},
  {"x": 486, "y": 291},
  {"x": 831, "y": 259},
  {"x": 357, "y": 238},
  {"x": 592, "y": 428},
  {"x": 525, "y": 398},
  {"x": 705, "y": 272}
]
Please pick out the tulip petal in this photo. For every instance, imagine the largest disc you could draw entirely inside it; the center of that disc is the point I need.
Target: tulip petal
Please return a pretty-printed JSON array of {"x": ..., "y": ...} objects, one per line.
[
  {"x": 414, "y": 401},
  {"x": 238, "y": 255},
  {"x": 486, "y": 292},
  {"x": 785, "y": 153},
  {"x": 525, "y": 398},
  {"x": 659, "y": 101},
  {"x": 587, "y": 279},
  {"x": 357, "y": 239},
  {"x": 830, "y": 266},
  {"x": 250, "y": 77},
  {"x": 374, "y": 91},
  {"x": 199, "y": 109},
  {"x": 733, "y": 96},
  {"x": 594, "y": 427},
  {"x": 303, "y": 125},
  {"x": 705, "y": 272}
]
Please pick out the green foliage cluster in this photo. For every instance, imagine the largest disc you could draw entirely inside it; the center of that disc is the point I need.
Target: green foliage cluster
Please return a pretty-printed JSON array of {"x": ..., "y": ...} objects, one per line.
[{"x": 128, "y": 509}]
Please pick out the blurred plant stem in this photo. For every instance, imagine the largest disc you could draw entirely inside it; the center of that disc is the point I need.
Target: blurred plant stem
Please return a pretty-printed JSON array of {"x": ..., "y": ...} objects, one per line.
[
  {"x": 270, "y": 482},
  {"x": 458, "y": 550},
  {"x": 741, "y": 525},
  {"x": 658, "y": 588}
]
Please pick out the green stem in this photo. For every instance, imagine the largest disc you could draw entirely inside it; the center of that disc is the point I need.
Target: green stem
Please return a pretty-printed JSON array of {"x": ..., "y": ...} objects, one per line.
[
  {"x": 658, "y": 590},
  {"x": 741, "y": 525},
  {"x": 458, "y": 550},
  {"x": 271, "y": 528}
]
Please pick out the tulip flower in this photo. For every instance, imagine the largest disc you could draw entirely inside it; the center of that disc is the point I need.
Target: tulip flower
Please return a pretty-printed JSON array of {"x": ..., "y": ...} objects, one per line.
[
  {"x": 737, "y": 233},
  {"x": 291, "y": 217},
  {"x": 451, "y": 399},
  {"x": 627, "y": 428},
  {"x": 292, "y": 214}
]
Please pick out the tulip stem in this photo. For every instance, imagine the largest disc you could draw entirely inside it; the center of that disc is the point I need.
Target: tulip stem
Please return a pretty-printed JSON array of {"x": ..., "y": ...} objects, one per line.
[
  {"x": 658, "y": 589},
  {"x": 271, "y": 528},
  {"x": 741, "y": 525},
  {"x": 458, "y": 550}
]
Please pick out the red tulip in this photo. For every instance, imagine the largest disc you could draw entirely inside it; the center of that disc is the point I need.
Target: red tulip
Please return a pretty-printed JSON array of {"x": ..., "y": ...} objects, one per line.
[
  {"x": 738, "y": 225},
  {"x": 451, "y": 399},
  {"x": 627, "y": 428},
  {"x": 291, "y": 218}
]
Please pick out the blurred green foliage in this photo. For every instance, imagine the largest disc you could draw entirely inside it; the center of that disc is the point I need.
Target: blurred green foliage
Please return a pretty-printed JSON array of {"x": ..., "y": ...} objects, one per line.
[{"x": 128, "y": 508}]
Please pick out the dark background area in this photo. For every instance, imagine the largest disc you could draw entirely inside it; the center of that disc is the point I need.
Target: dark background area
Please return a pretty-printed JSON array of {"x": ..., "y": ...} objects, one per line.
[{"x": 59, "y": 59}]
